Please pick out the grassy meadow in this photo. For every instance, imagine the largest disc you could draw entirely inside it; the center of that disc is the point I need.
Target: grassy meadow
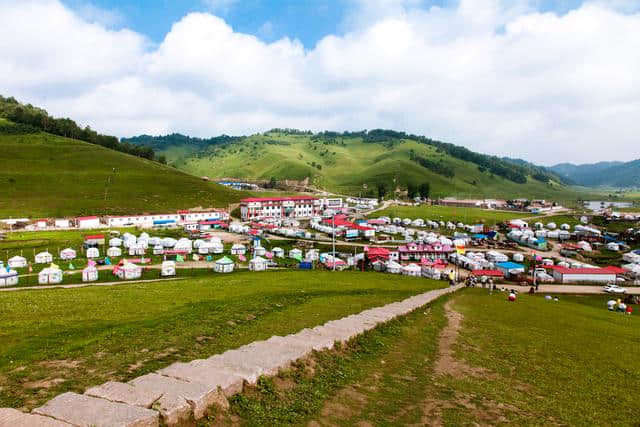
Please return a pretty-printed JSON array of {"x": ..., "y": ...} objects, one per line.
[
  {"x": 43, "y": 175},
  {"x": 449, "y": 213},
  {"x": 68, "y": 339},
  {"x": 533, "y": 362}
]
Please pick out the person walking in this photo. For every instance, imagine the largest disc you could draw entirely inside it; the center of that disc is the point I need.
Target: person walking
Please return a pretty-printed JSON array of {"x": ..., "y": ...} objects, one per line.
[{"x": 490, "y": 286}]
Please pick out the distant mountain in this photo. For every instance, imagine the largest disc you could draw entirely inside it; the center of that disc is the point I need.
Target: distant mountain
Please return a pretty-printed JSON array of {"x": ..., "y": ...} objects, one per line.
[
  {"x": 610, "y": 174},
  {"x": 356, "y": 162}
]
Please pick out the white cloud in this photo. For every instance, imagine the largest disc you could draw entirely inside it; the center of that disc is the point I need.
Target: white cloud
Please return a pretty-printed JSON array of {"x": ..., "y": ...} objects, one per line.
[
  {"x": 494, "y": 76},
  {"x": 219, "y": 6}
]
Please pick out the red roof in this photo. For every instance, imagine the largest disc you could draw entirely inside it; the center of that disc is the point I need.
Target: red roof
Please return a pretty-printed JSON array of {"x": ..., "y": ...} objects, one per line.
[
  {"x": 94, "y": 237},
  {"x": 277, "y": 199},
  {"x": 213, "y": 222},
  {"x": 564, "y": 270},
  {"x": 82, "y": 218},
  {"x": 616, "y": 270},
  {"x": 378, "y": 251},
  {"x": 490, "y": 273}
]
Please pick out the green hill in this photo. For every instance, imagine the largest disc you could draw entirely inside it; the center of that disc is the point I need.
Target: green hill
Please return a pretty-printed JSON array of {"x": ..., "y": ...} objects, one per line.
[
  {"x": 49, "y": 175},
  {"x": 353, "y": 163}
]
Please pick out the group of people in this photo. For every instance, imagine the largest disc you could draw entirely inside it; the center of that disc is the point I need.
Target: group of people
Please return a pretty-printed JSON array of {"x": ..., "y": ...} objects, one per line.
[
  {"x": 619, "y": 306},
  {"x": 484, "y": 281}
]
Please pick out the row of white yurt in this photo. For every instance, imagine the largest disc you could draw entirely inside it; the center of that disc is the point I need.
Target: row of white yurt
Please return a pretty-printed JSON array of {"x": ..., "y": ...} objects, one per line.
[
  {"x": 8, "y": 277},
  {"x": 17, "y": 262}
]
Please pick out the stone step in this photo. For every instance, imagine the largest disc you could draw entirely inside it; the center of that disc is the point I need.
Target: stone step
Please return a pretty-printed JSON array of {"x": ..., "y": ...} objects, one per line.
[
  {"x": 10, "y": 417},
  {"x": 125, "y": 393},
  {"x": 180, "y": 399},
  {"x": 86, "y": 411},
  {"x": 199, "y": 371}
]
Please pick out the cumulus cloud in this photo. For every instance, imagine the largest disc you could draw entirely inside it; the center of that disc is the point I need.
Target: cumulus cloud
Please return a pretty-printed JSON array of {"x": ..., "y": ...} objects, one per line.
[{"x": 498, "y": 77}]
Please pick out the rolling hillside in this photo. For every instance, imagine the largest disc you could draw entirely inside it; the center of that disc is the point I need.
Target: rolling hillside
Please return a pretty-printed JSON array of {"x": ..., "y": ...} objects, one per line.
[
  {"x": 357, "y": 163},
  {"x": 609, "y": 174},
  {"x": 48, "y": 175}
]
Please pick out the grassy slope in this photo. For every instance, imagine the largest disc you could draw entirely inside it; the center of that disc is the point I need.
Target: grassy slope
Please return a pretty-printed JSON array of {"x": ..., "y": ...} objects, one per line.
[
  {"x": 351, "y": 166},
  {"x": 47, "y": 175},
  {"x": 454, "y": 214},
  {"x": 128, "y": 330},
  {"x": 546, "y": 363}
]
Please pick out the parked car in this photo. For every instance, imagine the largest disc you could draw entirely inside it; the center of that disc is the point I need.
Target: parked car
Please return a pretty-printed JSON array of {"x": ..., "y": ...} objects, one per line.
[{"x": 610, "y": 288}]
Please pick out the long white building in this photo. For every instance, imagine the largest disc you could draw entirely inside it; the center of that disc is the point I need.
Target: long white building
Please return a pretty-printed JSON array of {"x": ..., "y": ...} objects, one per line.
[{"x": 280, "y": 207}]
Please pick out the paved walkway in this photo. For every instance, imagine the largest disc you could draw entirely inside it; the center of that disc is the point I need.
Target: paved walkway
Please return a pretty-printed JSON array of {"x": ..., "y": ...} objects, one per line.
[{"x": 184, "y": 391}]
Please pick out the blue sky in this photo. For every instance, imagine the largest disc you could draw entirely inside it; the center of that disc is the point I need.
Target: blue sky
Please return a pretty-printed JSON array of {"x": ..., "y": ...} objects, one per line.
[{"x": 305, "y": 20}]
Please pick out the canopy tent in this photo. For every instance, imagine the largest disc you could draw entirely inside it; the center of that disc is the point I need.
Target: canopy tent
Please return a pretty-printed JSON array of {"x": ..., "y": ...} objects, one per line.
[
  {"x": 114, "y": 251},
  {"x": 50, "y": 275},
  {"x": 258, "y": 264},
  {"x": 43, "y": 258},
  {"x": 412, "y": 270},
  {"x": 224, "y": 265},
  {"x": 67, "y": 254},
  {"x": 90, "y": 274},
  {"x": 168, "y": 268},
  {"x": 93, "y": 253},
  {"x": 17, "y": 262},
  {"x": 8, "y": 277}
]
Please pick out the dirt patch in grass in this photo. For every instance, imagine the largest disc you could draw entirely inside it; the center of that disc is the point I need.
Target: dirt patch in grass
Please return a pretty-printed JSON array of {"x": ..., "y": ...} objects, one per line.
[
  {"x": 61, "y": 364},
  {"x": 43, "y": 383},
  {"x": 446, "y": 363},
  {"x": 484, "y": 412}
]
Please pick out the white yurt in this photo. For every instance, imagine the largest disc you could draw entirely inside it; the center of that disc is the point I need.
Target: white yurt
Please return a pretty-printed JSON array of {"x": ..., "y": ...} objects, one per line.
[
  {"x": 565, "y": 227},
  {"x": 129, "y": 241},
  {"x": 552, "y": 226},
  {"x": 50, "y": 275},
  {"x": 238, "y": 249},
  {"x": 90, "y": 274},
  {"x": 17, "y": 262},
  {"x": 168, "y": 269},
  {"x": 185, "y": 245},
  {"x": 259, "y": 251},
  {"x": 204, "y": 247},
  {"x": 114, "y": 251},
  {"x": 7, "y": 277},
  {"x": 115, "y": 242},
  {"x": 128, "y": 271},
  {"x": 217, "y": 247},
  {"x": 312, "y": 255},
  {"x": 393, "y": 267},
  {"x": 93, "y": 253},
  {"x": 613, "y": 246},
  {"x": 43, "y": 258},
  {"x": 136, "y": 250},
  {"x": 223, "y": 265},
  {"x": 278, "y": 252},
  {"x": 168, "y": 242},
  {"x": 518, "y": 257},
  {"x": 564, "y": 264},
  {"x": 258, "y": 264},
  {"x": 158, "y": 250},
  {"x": 295, "y": 253},
  {"x": 67, "y": 254},
  {"x": 412, "y": 270},
  {"x": 144, "y": 236}
]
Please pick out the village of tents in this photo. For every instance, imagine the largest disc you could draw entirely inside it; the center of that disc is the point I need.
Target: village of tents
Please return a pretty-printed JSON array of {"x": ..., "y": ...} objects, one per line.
[{"x": 223, "y": 265}]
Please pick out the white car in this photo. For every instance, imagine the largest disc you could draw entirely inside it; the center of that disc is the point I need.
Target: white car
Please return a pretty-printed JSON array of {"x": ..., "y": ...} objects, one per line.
[{"x": 614, "y": 289}]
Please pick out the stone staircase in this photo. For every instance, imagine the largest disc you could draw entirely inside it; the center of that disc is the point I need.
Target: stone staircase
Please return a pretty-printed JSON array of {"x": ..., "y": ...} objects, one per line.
[{"x": 182, "y": 392}]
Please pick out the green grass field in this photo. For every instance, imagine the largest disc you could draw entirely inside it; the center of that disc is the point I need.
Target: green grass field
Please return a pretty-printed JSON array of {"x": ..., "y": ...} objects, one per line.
[
  {"x": 59, "y": 340},
  {"x": 353, "y": 167},
  {"x": 45, "y": 175},
  {"x": 533, "y": 362},
  {"x": 454, "y": 214}
]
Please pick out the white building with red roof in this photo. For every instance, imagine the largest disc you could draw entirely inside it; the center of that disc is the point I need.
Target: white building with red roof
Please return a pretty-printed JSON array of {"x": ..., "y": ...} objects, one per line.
[
  {"x": 280, "y": 207},
  {"x": 88, "y": 222}
]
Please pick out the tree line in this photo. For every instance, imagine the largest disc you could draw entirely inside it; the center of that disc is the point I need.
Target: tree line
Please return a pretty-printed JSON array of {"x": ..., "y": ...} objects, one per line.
[{"x": 33, "y": 119}]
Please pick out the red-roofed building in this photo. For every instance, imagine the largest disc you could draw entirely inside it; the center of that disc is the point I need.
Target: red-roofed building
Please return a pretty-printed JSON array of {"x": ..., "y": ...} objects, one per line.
[
  {"x": 487, "y": 273},
  {"x": 378, "y": 254},
  {"x": 417, "y": 252},
  {"x": 583, "y": 275},
  {"x": 280, "y": 207}
]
